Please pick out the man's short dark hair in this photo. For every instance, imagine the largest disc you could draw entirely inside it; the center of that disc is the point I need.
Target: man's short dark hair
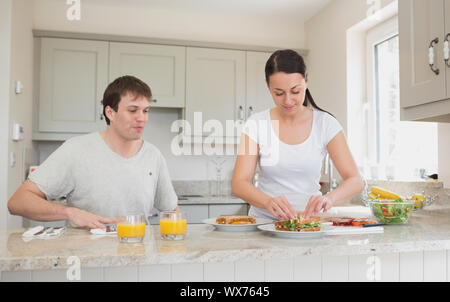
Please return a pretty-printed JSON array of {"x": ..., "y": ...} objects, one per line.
[{"x": 121, "y": 87}]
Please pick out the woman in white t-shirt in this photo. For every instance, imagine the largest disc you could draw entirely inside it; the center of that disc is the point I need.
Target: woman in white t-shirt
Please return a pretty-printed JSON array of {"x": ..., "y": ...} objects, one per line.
[{"x": 289, "y": 142}]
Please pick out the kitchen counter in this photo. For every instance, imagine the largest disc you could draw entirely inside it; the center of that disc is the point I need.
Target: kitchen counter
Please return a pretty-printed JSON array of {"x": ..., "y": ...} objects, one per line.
[
  {"x": 416, "y": 251},
  {"x": 426, "y": 231}
]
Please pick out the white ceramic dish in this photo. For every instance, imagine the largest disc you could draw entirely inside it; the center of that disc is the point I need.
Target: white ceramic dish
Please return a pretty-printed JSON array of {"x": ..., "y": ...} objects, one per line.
[
  {"x": 237, "y": 227},
  {"x": 270, "y": 229}
]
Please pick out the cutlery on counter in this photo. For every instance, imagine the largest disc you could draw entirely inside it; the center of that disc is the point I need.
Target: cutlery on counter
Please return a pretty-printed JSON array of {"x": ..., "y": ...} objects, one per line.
[
  {"x": 109, "y": 229},
  {"x": 373, "y": 225},
  {"x": 41, "y": 231}
]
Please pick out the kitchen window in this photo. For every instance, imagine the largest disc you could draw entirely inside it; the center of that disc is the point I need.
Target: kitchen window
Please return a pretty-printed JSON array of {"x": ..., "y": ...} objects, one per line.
[{"x": 399, "y": 150}]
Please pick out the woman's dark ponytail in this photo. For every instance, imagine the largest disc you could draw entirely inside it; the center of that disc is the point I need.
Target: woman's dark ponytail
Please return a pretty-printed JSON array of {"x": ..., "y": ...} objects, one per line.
[
  {"x": 310, "y": 99},
  {"x": 289, "y": 61}
]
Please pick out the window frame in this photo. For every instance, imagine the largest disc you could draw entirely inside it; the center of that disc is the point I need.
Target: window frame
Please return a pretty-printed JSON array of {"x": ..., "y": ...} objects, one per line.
[{"x": 376, "y": 35}]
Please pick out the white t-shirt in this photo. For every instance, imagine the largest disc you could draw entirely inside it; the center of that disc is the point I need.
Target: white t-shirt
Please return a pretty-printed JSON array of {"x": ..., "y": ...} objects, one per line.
[
  {"x": 290, "y": 170},
  {"x": 94, "y": 178}
]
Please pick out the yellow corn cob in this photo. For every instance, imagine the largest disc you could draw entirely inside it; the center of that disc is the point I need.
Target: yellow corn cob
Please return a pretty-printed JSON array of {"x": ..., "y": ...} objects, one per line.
[
  {"x": 384, "y": 194},
  {"x": 372, "y": 196}
]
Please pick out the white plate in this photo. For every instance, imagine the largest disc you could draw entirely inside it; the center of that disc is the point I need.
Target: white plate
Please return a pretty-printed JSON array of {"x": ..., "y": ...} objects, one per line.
[
  {"x": 270, "y": 228},
  {"x": 237, "y": 227}
]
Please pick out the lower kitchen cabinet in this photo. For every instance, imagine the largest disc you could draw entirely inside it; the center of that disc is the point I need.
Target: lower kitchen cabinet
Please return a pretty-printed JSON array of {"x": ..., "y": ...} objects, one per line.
[
  {"x": 195, "y": 213},
  {"x": 422, "y": 266}
]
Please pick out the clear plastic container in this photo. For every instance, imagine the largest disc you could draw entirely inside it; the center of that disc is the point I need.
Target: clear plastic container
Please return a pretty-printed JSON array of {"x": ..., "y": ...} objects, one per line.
[{"x": 391, "y": 212}]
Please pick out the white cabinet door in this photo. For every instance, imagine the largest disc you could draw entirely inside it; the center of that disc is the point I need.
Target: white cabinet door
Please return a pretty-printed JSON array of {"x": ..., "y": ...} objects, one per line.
[
  {"x": 195, "y": 213},
  {"x": 162, "y": 67},
  {"x": 73, "y": 77},
  {"x": 447, "y": 36},
  {"x": 215, "y": 88},
  {"x": 258, "y": 95},
  {"x": 420, "y": 23}
]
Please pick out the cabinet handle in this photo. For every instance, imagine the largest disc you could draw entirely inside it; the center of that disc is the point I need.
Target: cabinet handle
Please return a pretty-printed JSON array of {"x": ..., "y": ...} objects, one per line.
[
  {"x": 446, "y": 50},
  {"x": 431, "y": 56},
  {"x": 101, "y": 116},
  {"x": 250, "y": 111},
  {"x": 154, "y": 101}
]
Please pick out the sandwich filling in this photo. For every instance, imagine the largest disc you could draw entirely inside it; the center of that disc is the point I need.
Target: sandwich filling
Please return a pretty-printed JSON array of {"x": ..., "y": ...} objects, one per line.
[
  {"x": 299, "y": 224},
  {"x": 235, "y": 220}
]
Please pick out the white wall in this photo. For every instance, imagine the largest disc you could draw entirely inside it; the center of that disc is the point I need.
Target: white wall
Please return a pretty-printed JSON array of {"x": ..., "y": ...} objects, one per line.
[
  {"x": 20, "y": 105},
  {"x": 326, "y": 40},
  {"x": 444, "y": 153},
  {"x": 5, "y": 54},
  {"x": 143, "y": 19}
]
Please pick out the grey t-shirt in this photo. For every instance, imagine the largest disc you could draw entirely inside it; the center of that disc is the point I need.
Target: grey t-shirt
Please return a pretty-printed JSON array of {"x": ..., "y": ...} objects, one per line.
[{"x": 94, "y": 178}]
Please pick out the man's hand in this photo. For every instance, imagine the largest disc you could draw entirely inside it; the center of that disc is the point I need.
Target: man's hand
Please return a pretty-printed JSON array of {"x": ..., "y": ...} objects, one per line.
[{"x": 81, "y": 218}]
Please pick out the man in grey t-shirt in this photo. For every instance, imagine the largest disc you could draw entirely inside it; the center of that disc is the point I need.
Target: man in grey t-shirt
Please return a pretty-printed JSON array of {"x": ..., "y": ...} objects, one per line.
[{"x": 103, "y": 175}]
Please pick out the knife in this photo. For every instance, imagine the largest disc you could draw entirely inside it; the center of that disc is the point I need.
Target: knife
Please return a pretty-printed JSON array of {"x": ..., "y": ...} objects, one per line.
[
  {"x": 372, "y": 225},
  {"x": 41, "y": 232}
]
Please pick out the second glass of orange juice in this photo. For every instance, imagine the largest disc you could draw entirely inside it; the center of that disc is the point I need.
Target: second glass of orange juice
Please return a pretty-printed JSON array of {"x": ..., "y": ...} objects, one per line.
[
  {"x": 172, "y": 225},
  {"x": 131, "y": 228}
]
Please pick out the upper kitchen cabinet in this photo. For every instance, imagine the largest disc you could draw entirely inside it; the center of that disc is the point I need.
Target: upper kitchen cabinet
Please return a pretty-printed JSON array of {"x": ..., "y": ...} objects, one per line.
[
  {"x": 215, "y": 87},
  {"x": 424, "y": 70},
  {"x": 162, "y": 67},
  {"x": 73, "y": 76},
  {"x": 258, "y": 95}
]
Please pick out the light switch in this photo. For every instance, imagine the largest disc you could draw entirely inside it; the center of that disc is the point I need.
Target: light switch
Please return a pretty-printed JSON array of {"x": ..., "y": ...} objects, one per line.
[
  {"x": 12, "y": 159},
  {"x": 19, "y": 87},
  {"x": 17, "y": 132}
]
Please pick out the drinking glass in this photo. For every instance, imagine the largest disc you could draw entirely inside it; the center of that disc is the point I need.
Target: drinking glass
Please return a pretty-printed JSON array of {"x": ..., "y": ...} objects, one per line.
[
  {"x": 172, "y": 225},
  {"x": 131, "y": 228}
]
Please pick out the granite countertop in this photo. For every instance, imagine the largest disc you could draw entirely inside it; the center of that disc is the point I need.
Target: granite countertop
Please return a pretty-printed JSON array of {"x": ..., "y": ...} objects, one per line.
[{"x": 426, "y": 230}]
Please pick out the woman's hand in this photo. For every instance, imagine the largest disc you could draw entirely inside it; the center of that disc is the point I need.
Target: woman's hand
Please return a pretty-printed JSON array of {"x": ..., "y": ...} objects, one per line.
[
  {"x": 280, "y": 208},
  {"x": 316, "y": 204},
  {"x": 81, "y": 218}
]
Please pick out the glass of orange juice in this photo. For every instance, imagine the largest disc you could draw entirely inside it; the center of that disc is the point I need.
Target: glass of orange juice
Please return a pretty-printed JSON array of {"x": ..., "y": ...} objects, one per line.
[
  {"x": 172, "y": 225},
  {"x": 131, "y": 228}
]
